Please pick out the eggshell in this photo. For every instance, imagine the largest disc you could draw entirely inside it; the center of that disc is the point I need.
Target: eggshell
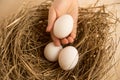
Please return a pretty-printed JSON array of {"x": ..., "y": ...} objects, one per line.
[
  {"x": 68, "y": 58},
  {"x": 51, "y": 52},
  {"x": 63, "y": 26}
]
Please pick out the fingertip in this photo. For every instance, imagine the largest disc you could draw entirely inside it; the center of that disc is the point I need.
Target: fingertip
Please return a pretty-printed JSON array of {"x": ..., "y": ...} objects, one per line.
[
  {"x": 57, "y": 43},
  {"x": 64, "y": 41},
  {"x": 70, "y": 39},
  {"x": 48, "y": 29},
  {"x": 73, "y": 35}
]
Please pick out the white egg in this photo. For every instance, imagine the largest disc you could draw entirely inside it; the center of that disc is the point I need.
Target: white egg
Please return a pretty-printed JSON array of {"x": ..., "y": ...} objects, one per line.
[
  {"x": 68, "y": 58},
  {"x": 51, "y": 52},
  {"x": 63, "y": 26}
]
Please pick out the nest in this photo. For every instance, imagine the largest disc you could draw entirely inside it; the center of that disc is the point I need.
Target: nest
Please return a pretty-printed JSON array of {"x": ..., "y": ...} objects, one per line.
[{"x": 23, "y": 38}]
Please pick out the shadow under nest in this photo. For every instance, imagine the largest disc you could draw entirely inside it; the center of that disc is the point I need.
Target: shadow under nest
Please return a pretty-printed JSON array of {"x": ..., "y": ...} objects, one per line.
[{"x": 23, "y": 38}]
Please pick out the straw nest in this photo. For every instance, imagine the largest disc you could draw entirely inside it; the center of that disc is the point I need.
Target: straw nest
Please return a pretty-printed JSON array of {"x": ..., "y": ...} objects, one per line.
[{"x": 23, "y": 38}]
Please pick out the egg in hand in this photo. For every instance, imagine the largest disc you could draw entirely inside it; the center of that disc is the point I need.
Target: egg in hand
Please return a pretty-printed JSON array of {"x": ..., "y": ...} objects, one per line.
[{"x": 63, "y": 26}]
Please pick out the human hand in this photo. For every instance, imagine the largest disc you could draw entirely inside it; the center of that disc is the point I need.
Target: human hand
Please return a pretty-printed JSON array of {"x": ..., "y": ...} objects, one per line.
[{"x": 57, "y": 9}]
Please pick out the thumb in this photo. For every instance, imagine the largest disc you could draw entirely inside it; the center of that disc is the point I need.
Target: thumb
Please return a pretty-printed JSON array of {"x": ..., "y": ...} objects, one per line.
[{"x": 51, "y": 19}]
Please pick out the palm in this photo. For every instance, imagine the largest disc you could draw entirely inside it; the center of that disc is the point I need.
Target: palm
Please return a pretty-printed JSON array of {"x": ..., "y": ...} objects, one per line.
[{"x": 58, "y": 8}]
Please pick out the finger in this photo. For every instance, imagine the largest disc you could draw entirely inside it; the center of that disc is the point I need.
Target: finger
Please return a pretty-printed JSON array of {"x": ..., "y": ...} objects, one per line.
[
  {"x": 64, "y": 41},
  {"x": 55, "y": 40},
  {"x": 51, "y": 19},
  {"x": 70, "y": 39},
  {"x": 73, "y": 34},
  {"x": 74, "y": 31}
]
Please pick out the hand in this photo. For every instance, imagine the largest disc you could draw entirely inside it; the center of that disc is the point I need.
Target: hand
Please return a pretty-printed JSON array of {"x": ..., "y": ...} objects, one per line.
[{"x": 57, "y": 9}]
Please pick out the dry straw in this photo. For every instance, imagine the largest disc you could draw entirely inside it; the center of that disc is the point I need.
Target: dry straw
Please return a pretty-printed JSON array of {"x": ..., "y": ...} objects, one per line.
[{"x": 23, "y": 38}]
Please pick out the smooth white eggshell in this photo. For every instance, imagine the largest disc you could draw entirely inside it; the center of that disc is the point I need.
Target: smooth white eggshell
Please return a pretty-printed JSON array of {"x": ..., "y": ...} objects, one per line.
[
  {"x": 68, "y": 58},
  {"x": 51, "y": 52},
  {"x": 63, "y": 26}
]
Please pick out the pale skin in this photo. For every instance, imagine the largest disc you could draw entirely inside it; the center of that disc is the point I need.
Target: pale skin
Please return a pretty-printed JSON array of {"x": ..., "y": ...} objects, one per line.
[{"x": 57, "y": 9}]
